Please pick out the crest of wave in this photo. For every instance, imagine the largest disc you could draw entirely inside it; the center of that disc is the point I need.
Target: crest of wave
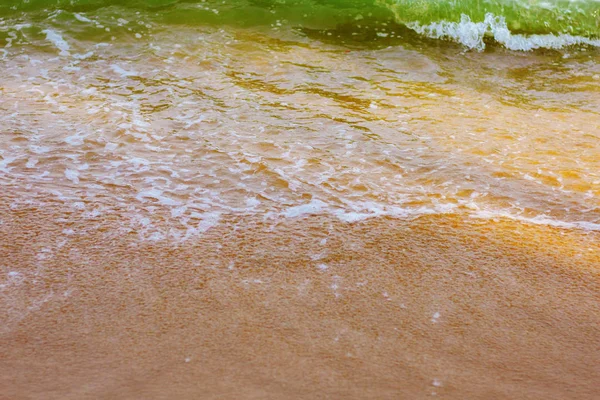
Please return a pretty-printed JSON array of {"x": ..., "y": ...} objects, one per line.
[{"x": 471, "y": 34}]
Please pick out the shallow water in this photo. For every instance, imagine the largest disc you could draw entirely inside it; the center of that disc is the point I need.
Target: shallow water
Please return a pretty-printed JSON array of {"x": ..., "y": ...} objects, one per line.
[{"x": 204, "y": 121}]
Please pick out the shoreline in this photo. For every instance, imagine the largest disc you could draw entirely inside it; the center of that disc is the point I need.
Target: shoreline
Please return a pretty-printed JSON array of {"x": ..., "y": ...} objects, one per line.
[{"x": 305, "y": 308}]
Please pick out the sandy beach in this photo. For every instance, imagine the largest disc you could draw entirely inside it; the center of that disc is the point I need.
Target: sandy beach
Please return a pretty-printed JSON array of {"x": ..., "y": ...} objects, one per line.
[{"x": 299, "y": 309}]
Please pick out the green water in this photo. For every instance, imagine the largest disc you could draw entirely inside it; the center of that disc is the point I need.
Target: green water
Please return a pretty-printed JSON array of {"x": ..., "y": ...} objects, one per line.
[
  {"x": 579, "y": 18},
  {"x": 533, "y": 16}
]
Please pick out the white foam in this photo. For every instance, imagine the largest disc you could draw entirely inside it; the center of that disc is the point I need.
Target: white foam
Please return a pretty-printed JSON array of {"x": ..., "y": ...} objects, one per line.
[
  {"x": 156, "y": 236},
  {"x": 81, "y": 18},
  {"x": 5, "y": 162},
  {"x": 19, "y": 27},
  {"x": 39, "y": 149},
  {"x": 178, "y": 211},
  {"x": 538, "y": 220},
  {"x": 335, "y": 286},
  {"x": 365, "y": 210},
  {"x": 57, "y": 40},
  {"x": 72, "y": 175},
  {"x": 208, "y": 221},
  {"x": 471, "y": 34},
  {"x": 359, "y": 211},
  {"x": 83, "y": 56},
  {"x": 74, "y": 140},
  {"x": 157, "y": 194},
  {"x": 123, "y": 72},
  {"x": 314, "y": 207},
  {"x": 252, "y": 202}
]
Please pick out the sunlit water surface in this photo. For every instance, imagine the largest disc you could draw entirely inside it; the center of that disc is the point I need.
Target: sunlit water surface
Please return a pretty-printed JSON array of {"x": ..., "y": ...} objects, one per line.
[{"x": 182, "y": 126}]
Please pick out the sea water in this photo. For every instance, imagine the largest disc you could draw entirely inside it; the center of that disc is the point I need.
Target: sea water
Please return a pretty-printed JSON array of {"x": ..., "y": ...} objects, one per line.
[{"x": 358, "y": 109}]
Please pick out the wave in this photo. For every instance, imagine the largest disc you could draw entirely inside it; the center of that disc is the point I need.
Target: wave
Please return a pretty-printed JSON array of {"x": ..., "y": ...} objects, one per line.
[
  {"x": 473, "y": 34},
  {"x": 515, "y": 24}
]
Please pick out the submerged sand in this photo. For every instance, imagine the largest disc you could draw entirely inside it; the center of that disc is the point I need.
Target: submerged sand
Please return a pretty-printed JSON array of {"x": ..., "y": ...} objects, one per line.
[{"x": 299, "y": 308}]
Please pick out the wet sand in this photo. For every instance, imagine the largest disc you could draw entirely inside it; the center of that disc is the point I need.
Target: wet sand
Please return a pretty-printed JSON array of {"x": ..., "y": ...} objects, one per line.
[{"x": 306, "y": 308}]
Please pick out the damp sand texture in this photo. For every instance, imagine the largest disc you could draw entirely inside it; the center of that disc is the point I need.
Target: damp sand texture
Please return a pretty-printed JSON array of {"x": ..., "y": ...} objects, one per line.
[{"x": 299, "y": 199}]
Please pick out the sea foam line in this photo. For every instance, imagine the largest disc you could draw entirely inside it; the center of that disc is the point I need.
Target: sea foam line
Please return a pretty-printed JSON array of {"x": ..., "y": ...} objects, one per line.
[
  {"x": 471, "y": 34},
  {"x": 370, "y": 210}
]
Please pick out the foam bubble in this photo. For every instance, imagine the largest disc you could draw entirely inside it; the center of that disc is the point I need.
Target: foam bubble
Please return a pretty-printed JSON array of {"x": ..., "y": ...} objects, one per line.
[
  {"x": 72, "y": 175},
  {"x": 57, "y": 40},
  {"x": 121, "y": 71},
  {"x": 157, "y": 194},
  {"x": 81, "y": 18},
  {"x": 314, "y": 207},
  {"x": 74, "y": 140}
]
